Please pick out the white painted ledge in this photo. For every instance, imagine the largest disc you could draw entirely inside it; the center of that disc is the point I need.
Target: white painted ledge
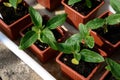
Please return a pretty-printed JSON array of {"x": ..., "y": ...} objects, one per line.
[{"x": 26, "y": 58}]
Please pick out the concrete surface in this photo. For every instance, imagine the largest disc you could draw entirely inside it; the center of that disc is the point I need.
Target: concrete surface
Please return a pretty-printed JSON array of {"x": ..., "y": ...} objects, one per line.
[{"x": 12, "y": 68}]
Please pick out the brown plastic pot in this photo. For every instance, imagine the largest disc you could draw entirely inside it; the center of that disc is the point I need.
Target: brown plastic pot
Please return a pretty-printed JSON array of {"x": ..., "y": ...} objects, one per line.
[
  {"x": 75, "y": 17},
  {"x": 48, "y": 53},
  {"x": 102, "y": 42},
  {"x": 12, "y": 30},
  {"x": 50, "y": 4},
  {"x": 72, "y": 73}
]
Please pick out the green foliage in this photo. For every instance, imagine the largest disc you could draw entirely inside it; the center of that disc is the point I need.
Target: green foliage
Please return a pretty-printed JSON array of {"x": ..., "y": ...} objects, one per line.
[
  {"x": 115, "y": 5},
  {"x": 12, "y": 3},
  {"x": 28, "y": 39},
  {"x": 95, "y": 23},
  {"x": 56, "y": 21},
  {"x": 73, "y": 46},
  {"x": 110, "y": 20},
  {"x": 87, "y": 2},
  {"x": 91, "y": 56},
  {"x": 114, "y": 67},
  {"x": 85, "y": 34},
  {"x": 71, "y": 2},
  {"x": 113, "y": 19},
  {"x": 36, "y": 17},
  {"x": 42, "y": 32}
]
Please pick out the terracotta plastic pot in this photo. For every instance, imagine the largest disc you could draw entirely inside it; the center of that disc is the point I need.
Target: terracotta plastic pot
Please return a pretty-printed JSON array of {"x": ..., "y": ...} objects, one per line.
[
  {"x": 50, "y": 4},
  {"x": 102, "y": 42},
  {"x": 48, "y": 53},
  {"x": 75, "y": 17},
  {"x": 12, "y": 30},
  {"x": 72, "y": 73}
]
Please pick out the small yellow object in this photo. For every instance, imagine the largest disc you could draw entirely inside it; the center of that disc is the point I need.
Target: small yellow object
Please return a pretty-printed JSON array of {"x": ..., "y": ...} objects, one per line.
[
  {"x": 7, "y": 4},
  {"x": 74, "y": 61}
]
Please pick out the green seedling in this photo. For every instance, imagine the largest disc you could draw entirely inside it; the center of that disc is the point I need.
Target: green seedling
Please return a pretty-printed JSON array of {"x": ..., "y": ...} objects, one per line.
[
  {"x": 42, "y": 32},
  {"x": 73, "y": 46},
  {"x": 113, "y": 67},
  {"x": 12, "y": 3},
  {"x": 110, "y": 20}
]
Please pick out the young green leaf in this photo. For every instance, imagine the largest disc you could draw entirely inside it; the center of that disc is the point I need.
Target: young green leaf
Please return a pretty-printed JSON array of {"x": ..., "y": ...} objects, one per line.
[
  {"x": 75, "y": 37},
  {"x": 36, "y": 29},
  {"x": 13, "y": 3},
  {"x": 108, "y": 68},
  {"x": 69, "y": 46},
  {"x": 47, "y": 37},
  {"x": 91, "y": 56},
  {"x": 84, "y": 31},
  {"x": 73, "y": 41},
  {"x": 72, "y": 2},
  {"x": 95, "y": 23},
  {"x": 77, "y": 56},
  {"x": 115, "y": 5},
  {"x": 65, "y": 48},
  {"x": 56, "y": 21},
  {"x": 36, "y": 17},
  {"x": 114, "y": 67},
  {"x": 89, "y": 41},
  {"x": 88, "y": 3},
  {"x": 113, "y": 19},
  {"x": 29, "y": 38}
]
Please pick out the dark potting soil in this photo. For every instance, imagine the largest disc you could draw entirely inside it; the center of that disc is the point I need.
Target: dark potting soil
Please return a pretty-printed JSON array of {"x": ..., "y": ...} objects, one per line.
[
  {"x": 84, "y": 68},
  {"x": 82, "y": 8},
  {"x": 113, "y": 34},
  {"x": 109, "y": 77},
  {"x": 10, "y": 15}
]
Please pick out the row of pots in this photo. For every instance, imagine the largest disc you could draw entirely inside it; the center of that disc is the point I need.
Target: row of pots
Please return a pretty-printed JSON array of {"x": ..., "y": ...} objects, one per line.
[{"x": 12, "y": 32}]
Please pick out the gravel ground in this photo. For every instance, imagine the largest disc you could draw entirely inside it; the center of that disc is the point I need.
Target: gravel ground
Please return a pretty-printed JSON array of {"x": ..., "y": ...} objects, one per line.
[{"x": 12, "y": 68}]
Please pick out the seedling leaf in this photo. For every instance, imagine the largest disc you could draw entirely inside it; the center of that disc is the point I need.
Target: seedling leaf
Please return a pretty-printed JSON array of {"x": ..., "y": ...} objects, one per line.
[
  {"x": 114, "y": 67},
  {"x": 36, "y": 17},
  {"x": 89, "y": 41},
  {"x": 95, "y": 23},
  {"x": 13, "y": 3},
  {"x": 115, "y": 5},
  {"x": 48, "y": 37},
  {"x": 91, "y": 56},
  {"x": 29, "y": 38},
  {"x": 56, "y": 21},
  {"x": 72, "y": 2},
  {"x": 113, "y": 19}
]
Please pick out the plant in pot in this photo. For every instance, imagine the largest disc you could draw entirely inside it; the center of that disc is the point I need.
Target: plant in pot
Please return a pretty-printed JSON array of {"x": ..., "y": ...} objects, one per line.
[
  {"x": 14, "y": 16},
  {"x": 50, "y": 4},
  {"x": 79, "y": 58},
  {"x": 106, "y": 29},
  {"x": 81, "y": 11},
  {"x": 113, "y": 69},
  {"x": 43, "y": 35}
]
